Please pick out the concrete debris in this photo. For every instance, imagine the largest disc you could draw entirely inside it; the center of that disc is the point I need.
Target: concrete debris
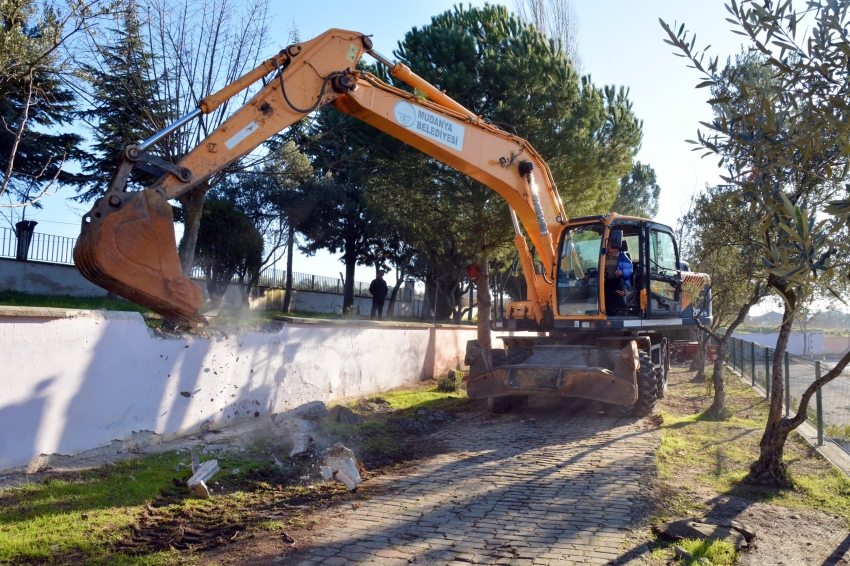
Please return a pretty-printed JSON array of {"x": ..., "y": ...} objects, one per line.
[
  {"x": 235, "y": 471},
  {"x": 303, "y": 445},
  {"x": 195, "y": 462},
  {"x": 312, "y": 411},
  {"x": 708, "y": 529},
  {"x": 197, "y": 483},
  {"x": 210, "y": 448},
  {"x": 326, "y": 472},
  {"x": 413, "y": 425},
  {"x": 374, "y": 405},
  {"x": 344, "y": 415},
  {"x": 277, "y": 462},
  {"x": 342, "y": 464},
  {"x": 438, "y": 415},
  {"x": 682, "y": 553}
]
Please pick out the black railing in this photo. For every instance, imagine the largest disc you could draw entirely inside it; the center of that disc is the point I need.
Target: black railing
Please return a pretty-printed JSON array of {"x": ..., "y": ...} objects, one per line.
[
  {"x": 43, "y": 247},
  {"x": 59, "y": 249}
]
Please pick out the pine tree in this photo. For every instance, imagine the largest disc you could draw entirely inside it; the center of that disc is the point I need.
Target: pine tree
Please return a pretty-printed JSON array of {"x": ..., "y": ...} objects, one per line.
[
  {"x": 639, "y": 192},
  {"x": 31, "y": 92},
  {"x": 125, "y": 108}
]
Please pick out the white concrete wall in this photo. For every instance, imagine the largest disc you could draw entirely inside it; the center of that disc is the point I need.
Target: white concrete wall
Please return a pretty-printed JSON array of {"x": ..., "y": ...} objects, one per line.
[
  {"x": 73, "y": 381},
  {"x": 45, "y": 279}
]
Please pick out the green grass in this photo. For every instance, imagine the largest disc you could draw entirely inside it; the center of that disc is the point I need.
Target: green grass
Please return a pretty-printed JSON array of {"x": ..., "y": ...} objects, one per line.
[
  {"x": 717, "y": 552},
  {"x": 717, "y": 453},
  {"x": 18, "y": 299},
  {"x": 85, "y": 518}
]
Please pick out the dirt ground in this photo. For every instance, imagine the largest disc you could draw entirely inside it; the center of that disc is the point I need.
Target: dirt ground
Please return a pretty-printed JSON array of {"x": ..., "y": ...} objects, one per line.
[
  {"x": 272, "y": 512},
  {"x": 785, "y": 535}
]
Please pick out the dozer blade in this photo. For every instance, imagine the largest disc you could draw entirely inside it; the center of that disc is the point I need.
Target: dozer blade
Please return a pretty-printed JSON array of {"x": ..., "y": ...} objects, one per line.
[{"x": 130, "y": 249}]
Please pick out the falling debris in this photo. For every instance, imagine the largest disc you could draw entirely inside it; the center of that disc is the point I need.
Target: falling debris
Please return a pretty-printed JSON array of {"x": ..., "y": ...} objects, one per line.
[
  {"x": 197, "y": 483},
  {"x": 342, "y": 464},
  {"x": 303, "y": 445}
]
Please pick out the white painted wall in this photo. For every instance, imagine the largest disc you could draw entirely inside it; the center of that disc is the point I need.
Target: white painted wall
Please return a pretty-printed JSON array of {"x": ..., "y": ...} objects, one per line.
[{"x": 73, "y": 381}]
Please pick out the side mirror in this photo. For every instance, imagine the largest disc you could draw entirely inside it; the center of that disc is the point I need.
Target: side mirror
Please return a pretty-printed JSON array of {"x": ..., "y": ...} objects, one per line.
[{"x": 615, "y": 239}]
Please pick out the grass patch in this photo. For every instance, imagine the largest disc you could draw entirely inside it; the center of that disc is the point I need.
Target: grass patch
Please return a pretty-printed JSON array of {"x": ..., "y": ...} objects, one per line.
[
  {"x": 696, "y": 449},
  {"x": 19, "y": 299},
  {"x": 717, "y": 552}
]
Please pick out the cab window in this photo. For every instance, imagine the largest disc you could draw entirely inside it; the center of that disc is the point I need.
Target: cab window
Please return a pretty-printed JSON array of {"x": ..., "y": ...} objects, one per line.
[{"x": 578, "y": 271}]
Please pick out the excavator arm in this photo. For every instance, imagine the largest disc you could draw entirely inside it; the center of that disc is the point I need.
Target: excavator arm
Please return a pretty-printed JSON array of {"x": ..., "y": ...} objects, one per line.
[{"x": 127, "y": 243}]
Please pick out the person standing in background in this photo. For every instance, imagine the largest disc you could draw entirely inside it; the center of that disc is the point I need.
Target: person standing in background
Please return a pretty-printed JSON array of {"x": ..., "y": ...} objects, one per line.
[{"x": 378, "y": 289}]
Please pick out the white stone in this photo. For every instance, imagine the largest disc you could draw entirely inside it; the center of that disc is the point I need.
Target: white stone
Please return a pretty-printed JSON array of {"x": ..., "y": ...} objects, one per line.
[{"x": 197, "y": 483}]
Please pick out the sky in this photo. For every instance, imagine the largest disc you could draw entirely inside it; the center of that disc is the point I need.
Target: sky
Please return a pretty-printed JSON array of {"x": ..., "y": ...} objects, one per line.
[{"x": 620, "y": 42}]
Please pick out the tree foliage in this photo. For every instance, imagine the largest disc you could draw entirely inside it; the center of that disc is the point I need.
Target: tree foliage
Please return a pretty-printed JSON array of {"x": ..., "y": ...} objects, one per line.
[
  {"x": 639, "y": 192},
  {"x": 782, "y": 136},
  {"x": 228, "y": 246},
  {"x": 34, "y": 57}
]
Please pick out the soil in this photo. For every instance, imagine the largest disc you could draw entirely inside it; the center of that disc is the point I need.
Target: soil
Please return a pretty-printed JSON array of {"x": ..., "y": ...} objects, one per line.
[{"x": 784, "y": 536}]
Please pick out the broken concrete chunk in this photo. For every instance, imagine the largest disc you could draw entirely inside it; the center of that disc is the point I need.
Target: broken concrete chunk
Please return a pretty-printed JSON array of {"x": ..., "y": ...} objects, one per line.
[
  {"x": 205, "y": 472},
  {"x": 295, "y": 426},
  {"x": 746, "y": 530},
  {"x": 326, "y": 472},
  {"x": 697, "y": 529},
  {"x": 210, "y": 448},
  {"x": 312, "y": 411},
  {"x": 303, "y": 445},
  {"x": 344, "y": 415},
  {"x": 343, "y": 465}
]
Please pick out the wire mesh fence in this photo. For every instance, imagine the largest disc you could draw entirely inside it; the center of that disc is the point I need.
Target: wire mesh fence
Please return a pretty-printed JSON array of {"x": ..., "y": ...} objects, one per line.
[{"x": 829, "y": 409}]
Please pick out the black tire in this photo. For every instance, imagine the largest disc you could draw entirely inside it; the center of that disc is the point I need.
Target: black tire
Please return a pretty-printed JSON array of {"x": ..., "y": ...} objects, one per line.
[
  {"x": 507, "y": 403},
  {"x": 647, "y": 392},
  {"x": 662, "y": 370}
]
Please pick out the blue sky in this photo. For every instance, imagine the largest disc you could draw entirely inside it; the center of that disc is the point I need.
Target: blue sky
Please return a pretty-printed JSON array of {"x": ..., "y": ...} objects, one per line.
[{"x": 621, "y": 43}]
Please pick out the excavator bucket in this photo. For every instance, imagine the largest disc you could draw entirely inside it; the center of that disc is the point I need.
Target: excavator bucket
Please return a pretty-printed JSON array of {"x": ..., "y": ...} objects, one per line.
[{"x": 127, "y": 246}]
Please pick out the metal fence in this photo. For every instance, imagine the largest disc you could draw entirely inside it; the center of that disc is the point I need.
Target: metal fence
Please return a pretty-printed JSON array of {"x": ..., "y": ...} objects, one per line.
[
  {"x": 43, "y": 247},
  {"x": 313, "y": 283},
  {"x": 829, "y": 409},
  {"x": 59, "y": 249}
]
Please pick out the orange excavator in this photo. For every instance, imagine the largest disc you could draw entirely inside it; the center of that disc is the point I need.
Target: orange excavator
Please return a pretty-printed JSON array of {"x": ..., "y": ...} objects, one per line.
[{"x": 597, "y": 300}]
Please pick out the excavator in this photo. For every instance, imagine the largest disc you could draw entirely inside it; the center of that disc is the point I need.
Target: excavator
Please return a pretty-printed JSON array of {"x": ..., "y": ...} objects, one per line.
[{"x": 583, "y": 331}]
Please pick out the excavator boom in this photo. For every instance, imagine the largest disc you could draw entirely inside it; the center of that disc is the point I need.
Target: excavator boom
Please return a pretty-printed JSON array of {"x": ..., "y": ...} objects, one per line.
[{"x": 127, "y": 242}]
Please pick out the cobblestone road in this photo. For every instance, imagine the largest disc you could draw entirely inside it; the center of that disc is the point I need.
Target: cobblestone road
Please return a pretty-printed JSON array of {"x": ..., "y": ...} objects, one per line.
[{"x": 550, "y": 485}]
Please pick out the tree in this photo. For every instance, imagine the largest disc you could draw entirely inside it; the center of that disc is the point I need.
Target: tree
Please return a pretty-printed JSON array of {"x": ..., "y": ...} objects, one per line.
[
  {"x": 783, "y": 145},
  {"x": 722, "y": 240},
  {"x": 508, "y": 72},
  {"x": 191, "y": 49},
  {"x": 639, "y": 193},
  {"x": 35, "y": 42},
  {"x": 228, "y": 246},
  {"x": 273, "y": 196},
  {"x": 124, "y": 103},
  {"x": 557, "y": 19}
]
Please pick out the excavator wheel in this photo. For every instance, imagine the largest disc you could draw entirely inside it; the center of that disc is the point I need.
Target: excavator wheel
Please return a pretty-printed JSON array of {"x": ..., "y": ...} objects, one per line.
[
  {"x": 507, "y": 403},
  {"x": 647, "y": 391},
  {"x": 128, "y": 247}
]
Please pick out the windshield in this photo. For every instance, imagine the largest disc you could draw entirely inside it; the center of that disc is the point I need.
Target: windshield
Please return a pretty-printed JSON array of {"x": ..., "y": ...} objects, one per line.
[{"x": 578, "y": 271}]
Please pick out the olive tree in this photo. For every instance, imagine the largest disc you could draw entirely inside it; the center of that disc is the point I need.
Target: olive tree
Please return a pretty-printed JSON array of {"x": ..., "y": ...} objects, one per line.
[{"x": 783, "y": 145}]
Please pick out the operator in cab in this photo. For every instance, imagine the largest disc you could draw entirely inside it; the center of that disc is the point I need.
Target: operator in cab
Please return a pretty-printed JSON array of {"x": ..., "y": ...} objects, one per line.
[{"x": 618, "y": 276}]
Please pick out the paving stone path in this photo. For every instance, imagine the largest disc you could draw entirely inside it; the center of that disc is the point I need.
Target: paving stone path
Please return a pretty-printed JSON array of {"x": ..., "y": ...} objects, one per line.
[{"x": 550, "y": 485}]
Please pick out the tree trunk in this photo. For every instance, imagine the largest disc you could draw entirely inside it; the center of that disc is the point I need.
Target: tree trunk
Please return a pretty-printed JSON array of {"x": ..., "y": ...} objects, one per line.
[
  {"x": 485, "y": 303},
  {"x": 290, "y": 246},
  {"x": 698, "y": 365},
  {"x": 193, "y": 207},
  {"x": 718, "y": 406},
  {"x": 770, "y": 469},
  {"x": 399, "y": 279},
  {"x": 348, "y": 288}
]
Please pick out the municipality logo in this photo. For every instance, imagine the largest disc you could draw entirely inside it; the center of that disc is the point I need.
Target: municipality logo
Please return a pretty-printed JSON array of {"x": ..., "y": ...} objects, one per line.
[{"x": 405, "y": 113}]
